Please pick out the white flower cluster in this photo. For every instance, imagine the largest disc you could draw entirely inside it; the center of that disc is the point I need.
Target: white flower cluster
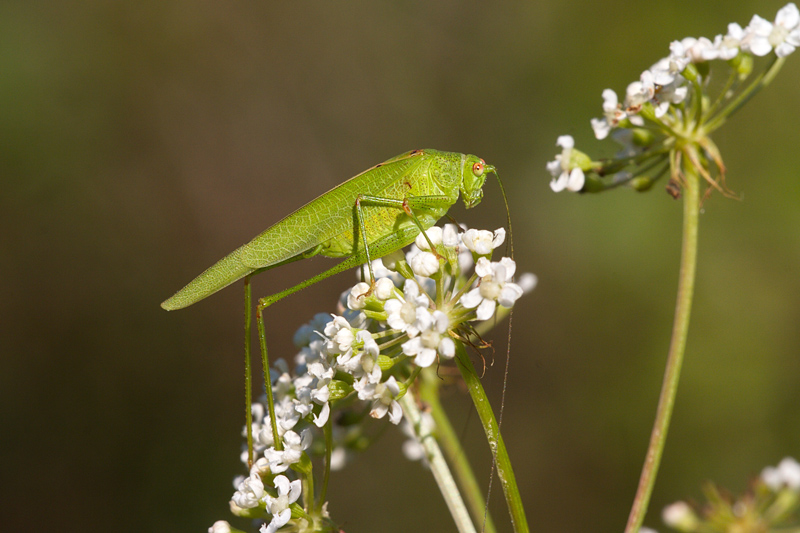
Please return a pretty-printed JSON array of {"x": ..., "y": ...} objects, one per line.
[
  {"x": 771, "y": 502},
  {"x": 383, "y": 333},
  {"x": 664, "y": 86},
  {"x": 786, "y": 474}
]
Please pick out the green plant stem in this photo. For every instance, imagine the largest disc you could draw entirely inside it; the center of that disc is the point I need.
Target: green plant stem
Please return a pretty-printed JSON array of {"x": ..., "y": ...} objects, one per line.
[
  {"x": 666, "y": 402},
  {"x": 429, "y": 386},
  {"x": 328, "y": 433},
  {"x": 504, "y": 471},
  {"x": 761, "y": 81},
  {"x": 439, "y": 468}
]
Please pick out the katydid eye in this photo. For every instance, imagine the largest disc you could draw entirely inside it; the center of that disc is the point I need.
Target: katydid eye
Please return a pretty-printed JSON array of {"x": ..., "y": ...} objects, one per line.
[{"x": 478, "y": 167}]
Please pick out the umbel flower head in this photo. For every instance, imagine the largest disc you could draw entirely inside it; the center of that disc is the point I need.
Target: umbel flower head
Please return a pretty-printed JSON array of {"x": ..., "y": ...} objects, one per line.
[
  {"x": 770, "y": 504},
  {"x": 664, "y": 121},
  {"x": 355, "y": 365}
]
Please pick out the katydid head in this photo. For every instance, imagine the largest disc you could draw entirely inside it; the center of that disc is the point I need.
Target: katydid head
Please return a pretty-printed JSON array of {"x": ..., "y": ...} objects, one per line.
[{"x": 473, "y": 176}]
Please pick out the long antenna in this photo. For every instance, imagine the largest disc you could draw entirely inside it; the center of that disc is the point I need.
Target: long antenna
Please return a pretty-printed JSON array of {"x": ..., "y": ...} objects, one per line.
[{"x": 510, "y": 252}]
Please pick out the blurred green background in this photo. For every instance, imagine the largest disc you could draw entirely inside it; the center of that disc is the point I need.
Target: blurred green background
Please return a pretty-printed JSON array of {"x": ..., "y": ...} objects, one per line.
[{"x": 140, "y": 142}]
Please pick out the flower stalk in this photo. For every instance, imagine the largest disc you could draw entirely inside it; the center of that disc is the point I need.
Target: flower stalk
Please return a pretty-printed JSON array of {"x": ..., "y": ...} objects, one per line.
[{"x": 680, "y": 329}]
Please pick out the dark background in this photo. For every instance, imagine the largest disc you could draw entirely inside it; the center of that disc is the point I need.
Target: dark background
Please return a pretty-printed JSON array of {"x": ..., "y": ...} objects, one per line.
[{"x": 139, "y": 143}]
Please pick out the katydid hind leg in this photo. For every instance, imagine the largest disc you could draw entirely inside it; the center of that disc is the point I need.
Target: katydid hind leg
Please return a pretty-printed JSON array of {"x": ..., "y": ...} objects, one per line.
[
  {"x": 248, "y": 375},
  {"x": 267, "y": 301}
]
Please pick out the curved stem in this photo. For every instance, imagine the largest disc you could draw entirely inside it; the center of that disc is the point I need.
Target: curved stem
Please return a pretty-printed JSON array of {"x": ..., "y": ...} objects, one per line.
[
  {"x": 439, "y": 468},
  {"x": 429, "y": 385},
  {"x": 495, "y": 439},
  {"x": 666, "y": 402}
]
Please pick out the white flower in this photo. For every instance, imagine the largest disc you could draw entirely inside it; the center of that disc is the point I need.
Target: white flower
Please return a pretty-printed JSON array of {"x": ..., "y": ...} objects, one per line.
[
  {"x": 425, "y": 264},
  {"x": 612, "y": 115},
  {"x": 278, "y": 507},
  {"x": 728, "y": 45},
  {"x": 357, "y": 298},
  {"x": 784, "y": 35},
  {"x": 495, "y": 287},
  {"x": 431, "y": 341},
  {"x": 680, "y": 515},
  {"x": 339, "y": 336},
  {"x": 564, "y": 176},
  {"x": 312, "y": 388},
  {"x": 220, "y": 526},
  {"x": 412, "y": 448},
  {"x": 411, "y": 314},
  {"x": 293, "y": 446},
  {"x": 384, "y": 288},
  {"x": 450, "y": 237},
  {"x": 249, "y": 492},
  {"x": 434, "y": 234},
  {"x": 527, "y": 282},
  {"x": 640, "y": 92},
  {"x": 383, "y": 398},
  {"x": 361, "y": 359},
  {"x": 482, "y": 242},
  {"x": 787, "y": 473},
  {"x": 699, "y": 50}
]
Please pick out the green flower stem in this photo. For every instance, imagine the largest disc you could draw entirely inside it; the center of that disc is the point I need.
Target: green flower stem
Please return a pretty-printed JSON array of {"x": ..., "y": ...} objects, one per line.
[
  {"x": 328, "y": 433},
  {"x": 761, "y": 81},
  {"x": 439, "y": 468},
  {"x": 496, "y": 444},
  {"x": 429, "y": 385},
  {"x": 666, "y": 402}
]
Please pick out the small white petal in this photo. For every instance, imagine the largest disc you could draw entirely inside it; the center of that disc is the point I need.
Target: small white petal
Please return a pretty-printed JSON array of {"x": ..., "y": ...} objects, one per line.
[
  {"x": 510, "y": 267},
  {"x": 485, "y": 310},
  {"x": 425, "y": 358},
  {"x": 790, "y": 471},
  {"x": 576, "y": 180},
  {"x": 499, "y": 237},
  {"x": 220, "y": 526},
  {"x": 527, "y": 282},
  {"x": 396, "y": 415},
  {"x": 566, "y": 142},
  {"x": 483, "y": 267},
  {"x": 472, "y": 298},
  {"x": 601, "y": 128},
  {"x": 510, "y": 294},
  {"x": 447, "y": 348},
  {"x": 412, "y": 346},
  {"x": 324, "y": 414}
]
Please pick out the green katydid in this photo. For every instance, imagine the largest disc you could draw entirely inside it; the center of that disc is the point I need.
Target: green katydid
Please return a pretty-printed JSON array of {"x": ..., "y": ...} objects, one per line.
[{"x": 373, "y": 214}]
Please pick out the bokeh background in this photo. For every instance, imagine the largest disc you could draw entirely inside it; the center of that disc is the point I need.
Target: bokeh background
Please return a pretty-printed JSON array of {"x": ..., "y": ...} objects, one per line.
[{"x": 140, "y": 142}]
